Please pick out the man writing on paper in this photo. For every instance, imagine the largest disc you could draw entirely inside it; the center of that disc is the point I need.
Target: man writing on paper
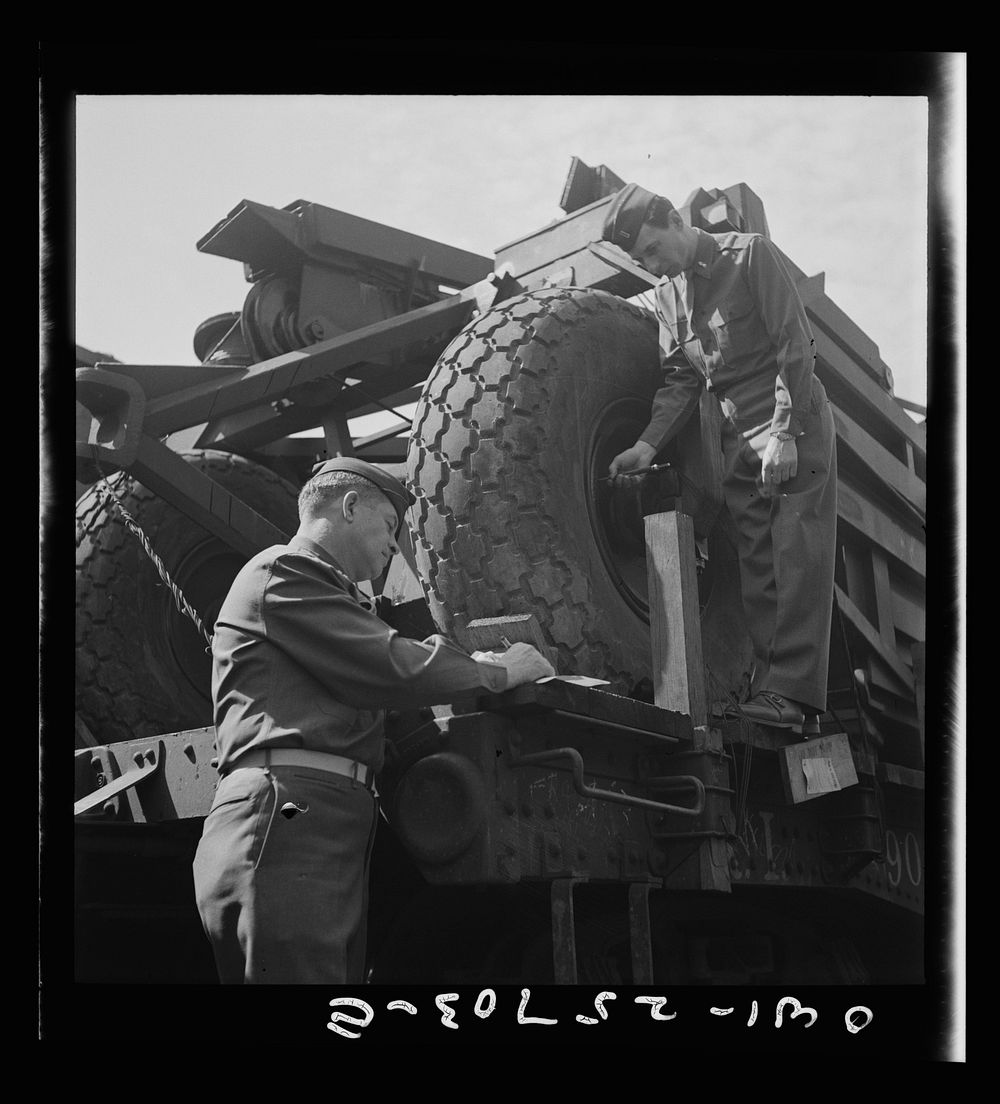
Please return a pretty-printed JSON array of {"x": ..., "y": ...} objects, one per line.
[{"x": 302, "y": 673}]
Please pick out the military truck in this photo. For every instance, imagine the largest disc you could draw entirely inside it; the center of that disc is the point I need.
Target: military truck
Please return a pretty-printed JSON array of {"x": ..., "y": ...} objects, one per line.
[{"x": 606, "y": 826}]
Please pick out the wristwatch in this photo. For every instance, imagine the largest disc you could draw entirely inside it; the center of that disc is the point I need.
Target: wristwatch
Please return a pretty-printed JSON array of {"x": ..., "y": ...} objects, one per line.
[{"x": 782, "y": 435}]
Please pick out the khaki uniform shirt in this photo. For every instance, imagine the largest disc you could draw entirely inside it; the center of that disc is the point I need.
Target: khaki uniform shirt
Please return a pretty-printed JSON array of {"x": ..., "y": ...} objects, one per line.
[
  {"x": 742, "y": 333},
  {"x": 301, "y": 661}
]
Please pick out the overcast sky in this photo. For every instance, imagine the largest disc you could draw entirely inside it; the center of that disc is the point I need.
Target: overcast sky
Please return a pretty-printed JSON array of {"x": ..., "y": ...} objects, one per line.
[{"x": 843, "y": 181}]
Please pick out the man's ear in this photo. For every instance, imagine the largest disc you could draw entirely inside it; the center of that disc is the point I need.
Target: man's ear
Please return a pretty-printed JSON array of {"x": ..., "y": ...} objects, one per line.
[
  {"x": 676, "y": 219},
  {"x": 349, "y": 505}
]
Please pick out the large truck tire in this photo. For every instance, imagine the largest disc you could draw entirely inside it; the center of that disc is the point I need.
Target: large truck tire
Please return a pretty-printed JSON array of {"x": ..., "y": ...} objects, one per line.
[
  {"x": 511, "y": 442},
  {"x": 141, "y": 665}
]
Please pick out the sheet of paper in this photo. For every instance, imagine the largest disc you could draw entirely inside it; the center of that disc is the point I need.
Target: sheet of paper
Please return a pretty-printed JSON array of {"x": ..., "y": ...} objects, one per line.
[
  {"x": 820, "y": 776},
  {"x": 580, "y": 680}
]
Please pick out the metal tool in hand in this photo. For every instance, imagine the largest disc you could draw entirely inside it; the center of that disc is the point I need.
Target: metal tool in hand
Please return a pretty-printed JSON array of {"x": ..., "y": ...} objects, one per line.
[{"x": 634, "y": 472}]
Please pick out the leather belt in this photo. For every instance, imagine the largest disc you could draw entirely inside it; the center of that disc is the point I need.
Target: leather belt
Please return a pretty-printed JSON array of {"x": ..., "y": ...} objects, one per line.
[{"x": 301, "y": 757}]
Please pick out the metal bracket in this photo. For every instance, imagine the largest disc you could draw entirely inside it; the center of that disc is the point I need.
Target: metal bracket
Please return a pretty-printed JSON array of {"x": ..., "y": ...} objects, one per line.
[
  {"x": 577, "y": 766},
  {"x": 640, "y": 931},
  {"x": 118, "y": 404},
  {"x": 564, "y": 930},
  {"x": 148, "y": 763}
]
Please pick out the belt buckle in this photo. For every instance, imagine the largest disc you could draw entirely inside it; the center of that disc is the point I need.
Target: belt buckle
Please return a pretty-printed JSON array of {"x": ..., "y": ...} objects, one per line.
[{"x": 356, "y": 771}]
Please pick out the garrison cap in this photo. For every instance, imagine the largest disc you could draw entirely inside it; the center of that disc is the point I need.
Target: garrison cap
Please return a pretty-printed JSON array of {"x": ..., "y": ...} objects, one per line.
[
  {"x": 391, "y": 487},
  {"x": 626, "y": 215}
]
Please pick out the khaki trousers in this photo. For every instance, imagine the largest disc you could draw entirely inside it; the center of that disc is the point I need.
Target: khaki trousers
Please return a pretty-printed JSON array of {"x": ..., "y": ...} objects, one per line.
[
  {"x": 787, "y": 553},
  {"x": 283, "y": 896}
]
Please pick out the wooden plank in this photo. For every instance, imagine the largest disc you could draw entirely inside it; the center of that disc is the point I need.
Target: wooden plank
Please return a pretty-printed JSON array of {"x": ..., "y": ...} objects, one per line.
[
  {"x": 840, "y": 326},
  {"x": 834, "y": 362},
  {"x": 854, "y": 341},
  {"x": 882, "y": 679},
  {"x": 675, "y": 619},
  {"x": 883, "y": 598},
  {"x": 879, "y": 461},
  {"x": 919, "y": 679},
  {"x": 586, "y": 703},
  {"x": 816, "y": 767},
  {"x": 908, "y": 615},
  {"x": 895, "y": 775},
  {"x": 879, "y": 529},
  {"x": 872, "y": 638},
  {"x": 859, "y": 584}
]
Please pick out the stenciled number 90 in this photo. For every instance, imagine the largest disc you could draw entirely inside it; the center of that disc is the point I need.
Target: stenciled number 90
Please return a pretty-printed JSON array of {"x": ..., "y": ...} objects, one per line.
[{"x": 908, "y": 856}]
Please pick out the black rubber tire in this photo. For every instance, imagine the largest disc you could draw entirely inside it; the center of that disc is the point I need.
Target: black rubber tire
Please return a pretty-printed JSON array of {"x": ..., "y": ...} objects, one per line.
[
  {"x": 141, "y": 665},
  {"x": 513, "y": 430}
]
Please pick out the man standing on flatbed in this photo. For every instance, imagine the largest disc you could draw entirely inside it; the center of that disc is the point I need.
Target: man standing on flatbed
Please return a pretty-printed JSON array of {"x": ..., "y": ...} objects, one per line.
[{"x": 731, "y": 322}]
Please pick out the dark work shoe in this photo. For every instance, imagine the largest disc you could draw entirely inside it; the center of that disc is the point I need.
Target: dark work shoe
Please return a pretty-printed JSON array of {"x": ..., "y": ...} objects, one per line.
[{"x": 768, "y": 708}]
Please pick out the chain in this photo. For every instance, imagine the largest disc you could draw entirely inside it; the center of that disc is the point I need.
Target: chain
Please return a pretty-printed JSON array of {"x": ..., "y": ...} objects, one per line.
[{"x": 107, "y": 495}]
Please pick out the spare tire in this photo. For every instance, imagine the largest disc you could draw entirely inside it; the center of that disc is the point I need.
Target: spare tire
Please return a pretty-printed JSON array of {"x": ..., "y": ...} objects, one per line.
[
  {"x": 512, "y": 437},
  {"x": 141, "y": 665}
]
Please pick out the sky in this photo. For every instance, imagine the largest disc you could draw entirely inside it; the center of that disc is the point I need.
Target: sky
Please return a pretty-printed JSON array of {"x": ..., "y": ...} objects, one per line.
[{"x": 843, "y": 180}]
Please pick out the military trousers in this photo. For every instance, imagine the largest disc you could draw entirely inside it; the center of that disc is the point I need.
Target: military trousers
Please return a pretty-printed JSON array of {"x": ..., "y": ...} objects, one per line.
[
  {"x": 281, "y": 876},
  {"x": 787, "y": 552}
]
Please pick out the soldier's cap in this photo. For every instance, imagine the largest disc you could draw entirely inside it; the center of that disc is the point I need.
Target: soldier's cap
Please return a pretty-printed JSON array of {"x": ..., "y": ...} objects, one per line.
[
  {"x": 626, "y": 216},
  {"x": 389, "y": 485}
]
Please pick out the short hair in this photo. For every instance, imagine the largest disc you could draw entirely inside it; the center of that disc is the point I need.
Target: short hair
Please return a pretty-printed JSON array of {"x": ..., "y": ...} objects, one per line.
[
  {"x": 322, "y": 491},
  {"x": 658, "y": 212}
]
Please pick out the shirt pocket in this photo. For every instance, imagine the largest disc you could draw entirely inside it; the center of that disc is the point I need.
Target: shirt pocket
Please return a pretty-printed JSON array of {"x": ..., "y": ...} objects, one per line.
[
  {"x": 735, "y": 325},
  {"x": 241, "y": 812},
  {"x": 239, "y": 787}
]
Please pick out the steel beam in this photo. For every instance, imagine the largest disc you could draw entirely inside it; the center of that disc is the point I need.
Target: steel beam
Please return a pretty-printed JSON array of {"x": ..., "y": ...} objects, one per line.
[
  {"x": 271, "y": 380},
  {"x": 203, "y": 500},
  {"x": 253, "y": 429}
]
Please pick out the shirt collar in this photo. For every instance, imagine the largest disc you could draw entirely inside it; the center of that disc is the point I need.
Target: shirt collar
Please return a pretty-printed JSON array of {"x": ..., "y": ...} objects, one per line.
[
  {"x": 705, "y": 254},
  {"x": 318, "y": 550},
  {"x": 307, "y": 545}
]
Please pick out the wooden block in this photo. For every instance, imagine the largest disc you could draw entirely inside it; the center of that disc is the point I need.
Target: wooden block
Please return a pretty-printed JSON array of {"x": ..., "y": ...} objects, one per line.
[
  {"x": 675, "y": 617},
  {"x": 816, "y": 767},
  {"x": 488, "y": 634},
  {"x": 919, "y": 677}
]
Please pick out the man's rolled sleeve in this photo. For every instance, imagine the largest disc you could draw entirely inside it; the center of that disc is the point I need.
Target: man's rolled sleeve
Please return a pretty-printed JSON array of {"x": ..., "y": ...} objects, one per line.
[
  {"x": 354, "y": 654},
  {"x": 784, "y": 318}
]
